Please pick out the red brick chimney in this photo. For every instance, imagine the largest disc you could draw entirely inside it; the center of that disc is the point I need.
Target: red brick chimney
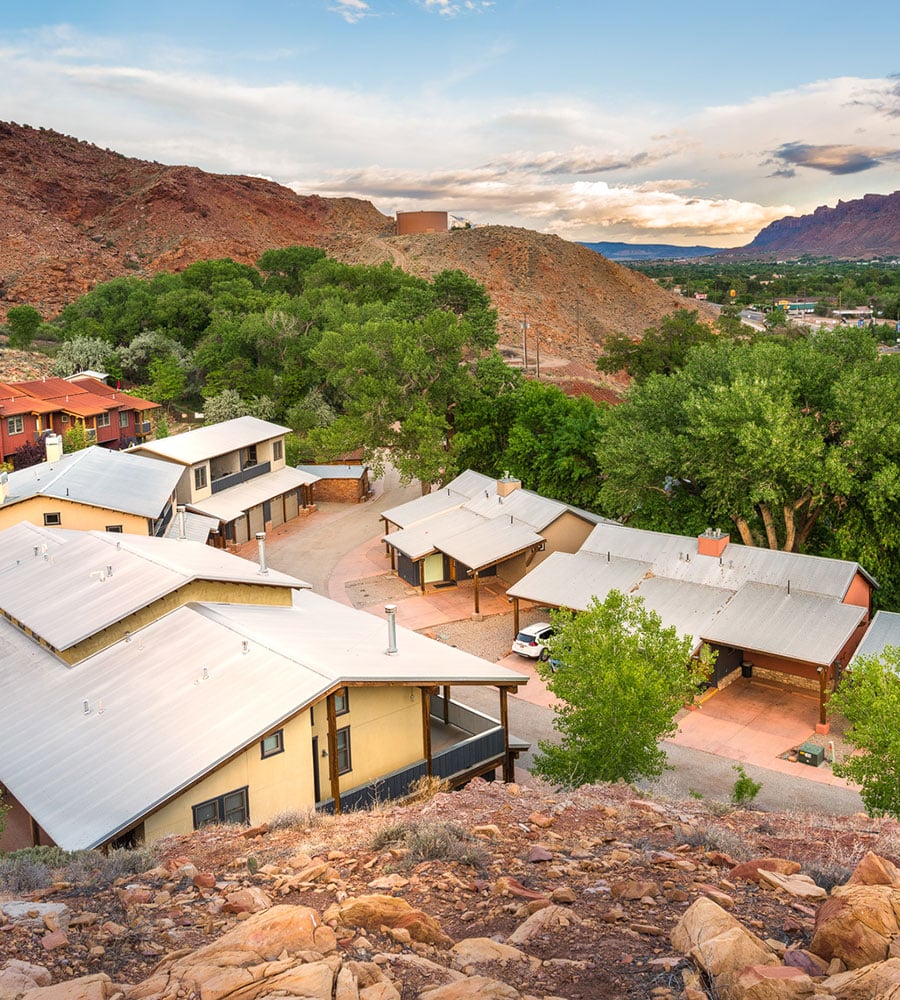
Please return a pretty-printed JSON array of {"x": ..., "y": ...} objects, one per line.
[{"x": 712, "y": 542}]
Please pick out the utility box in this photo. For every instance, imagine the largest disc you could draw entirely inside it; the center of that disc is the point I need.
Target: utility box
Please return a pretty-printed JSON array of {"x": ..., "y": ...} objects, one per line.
[{"x": 811, "y": 753}]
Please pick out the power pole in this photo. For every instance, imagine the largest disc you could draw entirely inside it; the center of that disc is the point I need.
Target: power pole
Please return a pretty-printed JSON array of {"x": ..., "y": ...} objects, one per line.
[
  {"x": 525, "y": 342},
  {"x": 537, "y": 349}
]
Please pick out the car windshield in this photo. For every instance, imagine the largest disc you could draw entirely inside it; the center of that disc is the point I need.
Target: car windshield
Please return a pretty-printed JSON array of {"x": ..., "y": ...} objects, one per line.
[{"x": 525, "y": 637}]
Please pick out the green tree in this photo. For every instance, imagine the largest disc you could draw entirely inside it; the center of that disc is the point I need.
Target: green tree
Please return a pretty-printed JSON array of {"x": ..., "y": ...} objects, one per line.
[
  {"x": 162, "y": 427},
  {"x": 286, "y": 268},
  {"x": 22, "y": 323},
  {"x": 84, "y": 353},
  {"x": 869, "y": 699},
  {"x": 75, "y": 438},
  {"x": 662, "y": 350},
  {"x": 621, "y": 679},
  {"x": 167, "y": 379}
]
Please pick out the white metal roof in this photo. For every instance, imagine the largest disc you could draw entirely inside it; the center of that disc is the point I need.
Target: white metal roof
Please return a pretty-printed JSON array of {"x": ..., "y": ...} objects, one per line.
[
  {"x": 182, "y": 696},
  {"x": 196, "y": 527},
  {"x": 237, "y": 500},
  {"x": 883, "y": 631},
  {"x": 571, "y": 579},
  {"x": 68, "y": 585},
  {"x": 795, "y": 625},
  {"x": 215, "y": 439},
  {"x": 335, "y": 471},
  {"x": 115, "y": 480},
  {"x": 676, "y": 556}
]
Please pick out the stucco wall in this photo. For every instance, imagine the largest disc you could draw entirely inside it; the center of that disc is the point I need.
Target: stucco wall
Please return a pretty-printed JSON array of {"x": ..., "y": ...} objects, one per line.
[
  {"x": 565, "y": 534},
  {"x": 84, "y": 517},
  {"x": 275, "y": 784}
]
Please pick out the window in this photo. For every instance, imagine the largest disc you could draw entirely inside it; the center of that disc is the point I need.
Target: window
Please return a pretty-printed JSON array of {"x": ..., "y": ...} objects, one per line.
[
  {"x": 103, "y": 419},
  {"x": 272, "y": 744},
  {"x": 251, "y": 455},
  {"x": 124, "y": 418},
  {"x": 343, "y": 750},
  {"x": 200, "y": 478},
  {"x": 52, "y": 520},
  {"x": 341, "y": 702},
  {"x": 64, "y": 417},
  {"x": 15, "y": 425},
  {"x": 115, "y": 528},
  {"x": 277, "y": 451},
  {"x": 232, "y": 807}
]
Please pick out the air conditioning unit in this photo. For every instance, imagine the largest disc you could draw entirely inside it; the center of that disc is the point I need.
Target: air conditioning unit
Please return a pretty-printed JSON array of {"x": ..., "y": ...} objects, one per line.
[
  {"x": 145, "y": 427},
  {"x": 90, "y": 434}
]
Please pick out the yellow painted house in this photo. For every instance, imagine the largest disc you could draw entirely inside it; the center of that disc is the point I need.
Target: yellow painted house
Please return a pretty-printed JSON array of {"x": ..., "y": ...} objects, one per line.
[
  {"x": 92, "y": 489},
  {"x": 174, "y": 685}
]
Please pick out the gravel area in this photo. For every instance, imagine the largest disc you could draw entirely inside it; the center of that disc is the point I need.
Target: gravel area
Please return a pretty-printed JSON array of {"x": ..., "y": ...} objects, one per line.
[{"x": 491, "y": 639}]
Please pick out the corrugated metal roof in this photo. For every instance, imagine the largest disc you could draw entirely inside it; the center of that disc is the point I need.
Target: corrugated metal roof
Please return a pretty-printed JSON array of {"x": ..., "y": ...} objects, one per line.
[
  {"x": 334, "y": 471},
  {"x": 884, "y": 630},
  {"x": 676, "y": 556},
  {"x": 237, "y": 500},
  {"x": 196, "y": 526},
  {"x": 572, "y": 579},
  {"x": 114, "y": 480},
  {"x": 216, "y": 439},
  {"x": 796, "y": 625},
  {"x": 182, "y": 696},
  {"x": 530, "y": 508},
  {"x": 454, "y": 494},
  {"x": 58, "y": 582}
]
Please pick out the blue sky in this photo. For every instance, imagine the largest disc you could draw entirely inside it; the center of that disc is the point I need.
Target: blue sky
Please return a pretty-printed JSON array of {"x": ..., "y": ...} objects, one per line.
[{"x": 645, "y": 121}]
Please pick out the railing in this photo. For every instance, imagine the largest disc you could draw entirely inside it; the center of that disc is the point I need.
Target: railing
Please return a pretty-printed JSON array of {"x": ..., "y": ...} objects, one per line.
[
  {"x": 236, "y": 478},
  {"x": 460, "y": 759}
]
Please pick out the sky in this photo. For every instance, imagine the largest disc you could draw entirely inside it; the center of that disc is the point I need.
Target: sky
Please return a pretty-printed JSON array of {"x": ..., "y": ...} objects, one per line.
[{"x": 641, "y": 121}]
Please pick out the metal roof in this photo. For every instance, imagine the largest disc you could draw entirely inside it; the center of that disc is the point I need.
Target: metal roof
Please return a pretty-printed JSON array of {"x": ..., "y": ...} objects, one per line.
[
  {"x": 883, "y": 630},
  {"x": 795, "y": 625},
  {"x": 572, "y": 579},
  {"x": 68, "y": 585},
  {"x": 196, "y": 526},
  {"x": 676, "y": 556},
  {"x": 454, "y": 494},
  {"x": 138, "y": 722},
  {"x": 237, "y": 500},
  {"x": 216, "y": 439},
  {"x": 98, "y": 476},
  {"x": 335, "y": 471}
]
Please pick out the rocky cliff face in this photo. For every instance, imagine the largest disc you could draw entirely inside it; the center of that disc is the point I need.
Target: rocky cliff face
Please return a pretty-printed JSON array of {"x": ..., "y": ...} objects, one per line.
[
  {"x": 867, "y": 227},
  {"x": 73, "y": 215},
  {"x": 497, "y": 891}
]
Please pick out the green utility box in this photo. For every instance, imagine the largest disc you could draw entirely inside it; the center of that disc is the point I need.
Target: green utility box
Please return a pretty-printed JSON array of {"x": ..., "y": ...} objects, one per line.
[{"x": 811, "y": 753}]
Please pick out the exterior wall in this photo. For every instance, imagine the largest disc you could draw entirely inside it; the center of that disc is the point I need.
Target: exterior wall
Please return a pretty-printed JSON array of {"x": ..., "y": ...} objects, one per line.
[
  {"x": 797, "y": 670},
  {"x": 274, "y": 784},
  {"x": 17, "y": 833},
  {"x": 385, "y": 734},
  {"x": 566, "y": 534},
  {"x": 343, "y": 490},
  {"x": 196, "y": 590},
  {"x": 31, "y": 425},
  {"x": 859, "y": 593},
  {"x": 421, "y": 222},
  {"x": 84, "y": 517}
]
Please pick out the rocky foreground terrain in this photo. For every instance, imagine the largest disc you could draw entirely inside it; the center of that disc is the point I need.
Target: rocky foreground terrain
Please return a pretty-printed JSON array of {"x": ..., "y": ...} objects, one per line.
[{"x": 500, "y": 892}]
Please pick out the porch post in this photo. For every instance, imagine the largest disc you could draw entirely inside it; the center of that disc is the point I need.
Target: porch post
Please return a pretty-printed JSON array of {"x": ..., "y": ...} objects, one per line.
[
  {"x": 421, "y": 565},
  {"x": 823, "y": 715},
  {"x": 515, "y": 601},
  {"x": 426, "y": 730},
  {"x": 508, "y": 770},
  {"x": 446, "y": 704},
  {"x": 332, "y": 753},
  {"x": 475, "y": 578}
]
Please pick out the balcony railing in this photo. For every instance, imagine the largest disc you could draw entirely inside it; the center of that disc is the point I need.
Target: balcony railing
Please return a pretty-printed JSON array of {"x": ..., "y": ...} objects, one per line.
[
  {"x": 236, "y": 478},
  {"x": 462, "y": 759}
]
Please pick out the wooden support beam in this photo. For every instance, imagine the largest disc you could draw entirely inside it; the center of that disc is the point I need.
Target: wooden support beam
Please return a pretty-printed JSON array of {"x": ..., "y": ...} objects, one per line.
[
  {"x": 475, "y": 578},
  {"x": 515, "y": 616},
  {"x": 446, "y": 704},
  {"x": 333, "y": 776},
  {"x": 426, "y": 730},
  {"x": 508, "y": 768}
]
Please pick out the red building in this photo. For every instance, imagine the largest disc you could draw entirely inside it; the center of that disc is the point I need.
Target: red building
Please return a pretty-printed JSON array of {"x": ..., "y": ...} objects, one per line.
[{"x": 110, "y": 418}]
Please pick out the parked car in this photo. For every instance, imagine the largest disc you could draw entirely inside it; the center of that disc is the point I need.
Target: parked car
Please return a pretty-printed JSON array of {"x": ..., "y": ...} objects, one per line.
[{"x": 532, "y": 641}]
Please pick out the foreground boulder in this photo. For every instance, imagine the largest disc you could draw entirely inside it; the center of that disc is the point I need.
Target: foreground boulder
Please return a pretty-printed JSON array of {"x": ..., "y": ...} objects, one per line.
[{"x": 373, "y": 912}]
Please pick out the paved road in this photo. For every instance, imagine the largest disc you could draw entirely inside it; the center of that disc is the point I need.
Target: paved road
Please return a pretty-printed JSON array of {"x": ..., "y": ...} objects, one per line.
[{"x": 312, "y": 549}]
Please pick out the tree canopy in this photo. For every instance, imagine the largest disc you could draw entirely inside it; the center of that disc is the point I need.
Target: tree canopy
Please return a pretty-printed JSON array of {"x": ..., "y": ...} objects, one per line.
[
  {"x": 869, "y": 699},
  {"x": 621, "y": 677}
]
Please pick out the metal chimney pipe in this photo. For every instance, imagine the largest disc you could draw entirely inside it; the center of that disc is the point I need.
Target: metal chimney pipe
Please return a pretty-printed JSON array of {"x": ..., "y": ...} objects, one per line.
[
  {"x": 261, "y": 542},
  {"x": 391, "y": 611},
  {"x": 179, "y": 510}
]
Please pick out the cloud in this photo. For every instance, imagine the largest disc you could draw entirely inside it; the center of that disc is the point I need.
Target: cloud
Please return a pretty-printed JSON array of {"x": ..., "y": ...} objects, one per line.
[
  {"x": 450, "y": 8},
  {"x": 835, "y": 160},
  {"x": 884, "y": 99},
  {"x": 351, "y": 10}
]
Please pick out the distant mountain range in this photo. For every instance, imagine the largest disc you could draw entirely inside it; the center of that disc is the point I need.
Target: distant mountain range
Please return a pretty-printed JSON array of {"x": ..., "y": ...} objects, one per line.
[{"x": 650, "y": 251}]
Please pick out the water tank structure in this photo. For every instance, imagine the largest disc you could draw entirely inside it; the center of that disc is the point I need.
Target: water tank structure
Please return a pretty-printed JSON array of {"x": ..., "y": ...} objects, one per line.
[{"x": 421, "y": 222}]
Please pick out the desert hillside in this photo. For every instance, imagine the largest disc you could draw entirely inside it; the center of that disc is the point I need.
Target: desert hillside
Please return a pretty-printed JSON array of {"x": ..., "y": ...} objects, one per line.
[
  {"x": 73, "y": 215},
  {"x": 503, "y": 892}
]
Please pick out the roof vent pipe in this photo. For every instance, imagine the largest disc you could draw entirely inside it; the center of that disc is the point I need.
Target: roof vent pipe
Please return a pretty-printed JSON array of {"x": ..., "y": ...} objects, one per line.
[
  {"x": 391, "y": 611},
  {"x": 261, "y": 542},
  {"x": 179, "y": 510}
]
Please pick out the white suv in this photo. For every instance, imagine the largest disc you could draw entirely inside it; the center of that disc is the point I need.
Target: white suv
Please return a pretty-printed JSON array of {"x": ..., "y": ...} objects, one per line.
[{"x": 531, "y": 641}]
